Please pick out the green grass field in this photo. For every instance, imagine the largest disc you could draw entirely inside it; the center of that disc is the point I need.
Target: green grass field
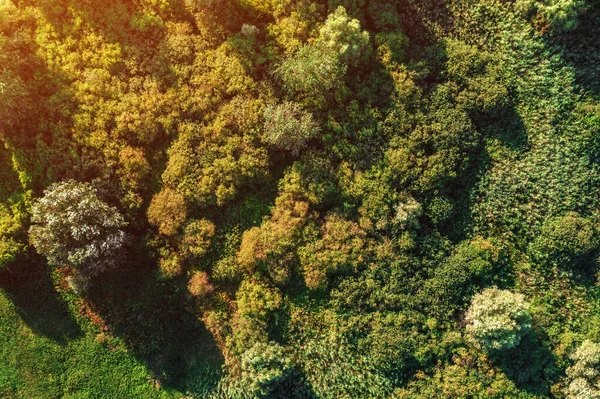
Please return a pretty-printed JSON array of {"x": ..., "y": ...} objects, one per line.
[{"x": 49, "y": 350}]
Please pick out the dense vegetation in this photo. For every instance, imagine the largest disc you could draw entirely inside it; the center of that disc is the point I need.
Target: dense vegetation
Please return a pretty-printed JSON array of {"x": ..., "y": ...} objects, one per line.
[{"x": 299, "y": 199}]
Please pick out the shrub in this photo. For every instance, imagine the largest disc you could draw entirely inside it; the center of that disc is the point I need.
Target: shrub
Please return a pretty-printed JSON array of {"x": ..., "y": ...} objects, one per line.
[
  {"x": 564, "y": 239},
  {"x": 312, "y": 74},
  {"x": 497, "y": 319},
  {"x": 341, "y": 249},
  {"x": 170, "y": 264}
]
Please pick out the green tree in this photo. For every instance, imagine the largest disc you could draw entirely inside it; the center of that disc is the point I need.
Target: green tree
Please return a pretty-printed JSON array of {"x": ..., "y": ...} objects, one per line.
[
  {"x": 72, "y": 227},
  {"x": 288, "y": 126},
  {"x": 342, "y": 35},
  {"x": 312, "y": 75},
  {"x": 460, "y": 274},
  {"x": 208, "y": 164},
  {"x": 497, "y": 319},
  {"x": 340, "y": 249}
]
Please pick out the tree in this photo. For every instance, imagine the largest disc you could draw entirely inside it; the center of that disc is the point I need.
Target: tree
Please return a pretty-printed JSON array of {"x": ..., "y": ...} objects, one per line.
[
  {"x": 497, "y": 319},
  {"x": 342, "y": 35},
  {"x": 312, "y": 74},
  {"x": 72, "y": 227},
  {"x": 460, "y": 274},
  {"x": 340, "y": 249},
  {"x": 270, "y": 247},
  {"x": 196, "y": 237},
  {"x": 167, "y": 211},
  {"x": 256, "y": 306},
  {"x": 11, "y": 232},
  {"x": 584, "y": 375},
  {"x": 209, "y": 164},
  {"x": 288, "y": 126},
  {"x": 560, "y": 15}
]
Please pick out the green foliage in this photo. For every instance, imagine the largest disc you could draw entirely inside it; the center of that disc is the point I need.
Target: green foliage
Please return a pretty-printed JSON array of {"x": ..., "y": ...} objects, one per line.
[
  {"x": 312, "y": 75},
  {"x": 341, "y": 34},
  {"x": 564, "y": 240},
  {"x": 11, "y": 229},
  {"x": 460, "y": 274},
  {"x": 334, "y": 371},
  {"x": 559, "y": 15},
  {"x": 256, "y": 304},
  {"x": 331, "y": 183},
  {"x": 497, "y": 319},
  {"x": 289, "y": 127},
  {"x": 270, "y": 247},
  {"x": 478, "y": 76},
  {"x": 208, "y": 164},
  {"x": 72, "y": 227},
  {"x": 391, "y": 47}
]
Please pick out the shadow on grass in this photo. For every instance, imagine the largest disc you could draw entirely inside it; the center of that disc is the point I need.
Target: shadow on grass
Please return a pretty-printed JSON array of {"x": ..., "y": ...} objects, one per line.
[
  {"x": 580, "y": 48},
  {"x": 504, "y": 126},
  {"x": 156, "y": 321},
  {"x": 30, "y": 287},
  {"x": 531, "y": 366}
]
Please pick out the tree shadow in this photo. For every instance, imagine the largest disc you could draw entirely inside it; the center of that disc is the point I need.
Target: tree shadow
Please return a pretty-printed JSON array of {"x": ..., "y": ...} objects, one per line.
[
  {"x": 156, "y": 320},
  {"x": 531, "y": 366},
  {"x": 504, "y": 127},
  {"x": 293, "y": 386},
  {"x": 30, "y": 287},
  {"x": 580, "y": 49}
]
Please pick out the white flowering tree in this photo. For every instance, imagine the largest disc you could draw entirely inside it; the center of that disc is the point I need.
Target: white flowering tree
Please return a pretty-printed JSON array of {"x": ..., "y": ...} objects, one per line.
[
  {"x": 72, "y": 227},
  {"x": 498, "y": 319},
  {"x": 264, "y": 366},
  {"x": 584, "y": 375}
]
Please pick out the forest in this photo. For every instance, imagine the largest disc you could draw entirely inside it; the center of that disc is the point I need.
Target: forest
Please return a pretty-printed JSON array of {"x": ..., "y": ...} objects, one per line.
[{"x": 299, "y": 199}]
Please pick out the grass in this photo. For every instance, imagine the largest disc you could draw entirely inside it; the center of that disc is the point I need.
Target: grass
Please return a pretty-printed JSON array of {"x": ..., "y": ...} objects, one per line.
[{"x": 56, "y": 345}]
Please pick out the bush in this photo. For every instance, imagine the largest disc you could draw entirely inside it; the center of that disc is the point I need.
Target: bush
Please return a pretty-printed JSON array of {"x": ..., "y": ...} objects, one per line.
[
  {"x": 340, "y": 249},
  {"x": 73, "y": 227},
  {"x": 312, "y": 74},
  {"x": 497, "y": 319}
]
